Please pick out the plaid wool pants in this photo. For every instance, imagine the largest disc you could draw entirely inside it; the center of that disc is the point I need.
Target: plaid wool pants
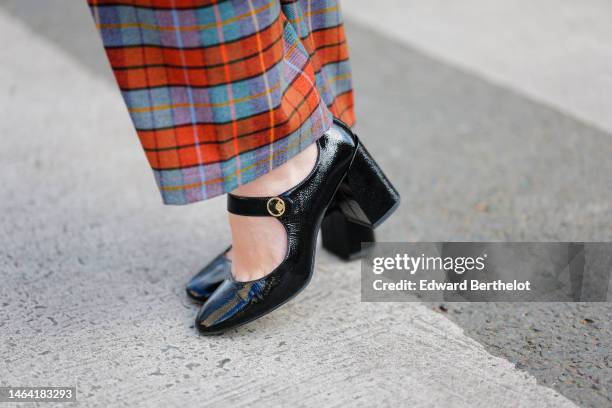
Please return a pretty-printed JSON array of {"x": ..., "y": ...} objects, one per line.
[{"x": 221, "y": 92}]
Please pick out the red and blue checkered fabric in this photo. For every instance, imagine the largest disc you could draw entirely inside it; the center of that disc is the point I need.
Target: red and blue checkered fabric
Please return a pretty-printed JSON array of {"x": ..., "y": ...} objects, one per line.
[{"x": 221, "y": 92}]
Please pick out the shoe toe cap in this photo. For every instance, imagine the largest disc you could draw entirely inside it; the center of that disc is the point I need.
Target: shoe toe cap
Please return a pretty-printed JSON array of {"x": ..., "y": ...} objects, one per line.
[{"x": 227, "y": 307}]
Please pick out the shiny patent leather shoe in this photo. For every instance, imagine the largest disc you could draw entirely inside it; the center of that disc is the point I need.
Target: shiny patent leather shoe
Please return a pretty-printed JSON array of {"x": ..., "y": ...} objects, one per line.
[
  {"x": 201, "y": 286},
  {"x": 343, "y": 169},
  {"x": 341, "y": 237}
]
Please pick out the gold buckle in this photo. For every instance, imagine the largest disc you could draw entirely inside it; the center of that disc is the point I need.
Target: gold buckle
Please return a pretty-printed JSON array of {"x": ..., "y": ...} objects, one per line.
[{"x": 276, "y": 206}]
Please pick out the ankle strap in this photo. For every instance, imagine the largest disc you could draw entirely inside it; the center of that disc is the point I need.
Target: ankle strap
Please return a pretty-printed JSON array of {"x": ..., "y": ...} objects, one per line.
[{"x": 258, "y": 206}]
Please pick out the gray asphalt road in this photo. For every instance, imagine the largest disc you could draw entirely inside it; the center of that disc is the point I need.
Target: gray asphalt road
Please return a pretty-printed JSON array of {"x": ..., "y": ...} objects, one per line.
[{"x": 473, "y": 161}]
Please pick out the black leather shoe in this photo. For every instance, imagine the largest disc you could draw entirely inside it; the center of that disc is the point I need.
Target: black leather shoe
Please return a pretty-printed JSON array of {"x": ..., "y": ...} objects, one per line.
[
  {"x": 201, "y": 286},
  {"x": 344, "y": 169},
  {"x": 340, "y": 236}
]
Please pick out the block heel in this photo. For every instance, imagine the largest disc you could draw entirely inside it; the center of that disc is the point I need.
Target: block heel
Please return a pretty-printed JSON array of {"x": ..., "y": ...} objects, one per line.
[
  {"x": 343, "y": 238},
  {"x": 365, "y": 196}
]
